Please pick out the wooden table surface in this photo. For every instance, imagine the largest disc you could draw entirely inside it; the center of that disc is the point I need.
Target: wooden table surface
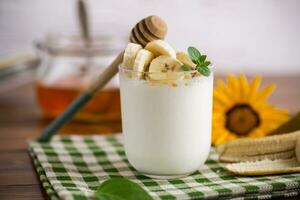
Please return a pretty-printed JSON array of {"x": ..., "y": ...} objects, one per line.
[{"x": 20, "y": 120}]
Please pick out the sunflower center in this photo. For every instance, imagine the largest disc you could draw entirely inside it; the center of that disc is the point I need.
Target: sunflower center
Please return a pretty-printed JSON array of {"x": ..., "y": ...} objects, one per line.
[{"x": 241, "y": 119}]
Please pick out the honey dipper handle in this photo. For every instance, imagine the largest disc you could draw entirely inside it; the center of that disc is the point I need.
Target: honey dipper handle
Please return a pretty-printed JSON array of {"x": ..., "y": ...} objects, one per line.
[
  {"x": 81, "y": 100},
  {"x": 106, "y": 75}
]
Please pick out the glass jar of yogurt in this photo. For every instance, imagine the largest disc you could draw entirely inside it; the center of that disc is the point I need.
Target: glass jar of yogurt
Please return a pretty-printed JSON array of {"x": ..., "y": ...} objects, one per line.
[{"x": 166, "y": 124}]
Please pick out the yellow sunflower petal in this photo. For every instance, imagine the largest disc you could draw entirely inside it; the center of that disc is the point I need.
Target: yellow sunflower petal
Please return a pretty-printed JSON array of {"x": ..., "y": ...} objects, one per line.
[
  {"x": 233, "y": 85},
  {"x": 218, "y": 108},
  {"x": 220, "y": 98},
  {"x": 257, "y": 133},
  {"x": 221, "y": 138},
  {"x": 218, "y": 116},
  {"x": 267, "y": 127},
  {"x": 254, "y": 87},
  {"x": 274, "y": 116},
  {"x": 225, "y": 89},
  {"x": 244, "y": 88},
  {"x": 265, "y": 93}
]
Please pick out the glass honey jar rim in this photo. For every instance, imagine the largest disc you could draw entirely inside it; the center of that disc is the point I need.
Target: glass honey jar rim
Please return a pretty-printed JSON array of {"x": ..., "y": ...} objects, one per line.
[{"x": 76, "y": 45}]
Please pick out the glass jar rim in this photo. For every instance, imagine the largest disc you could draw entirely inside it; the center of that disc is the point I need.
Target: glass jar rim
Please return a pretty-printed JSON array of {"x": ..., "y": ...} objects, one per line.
[{"x": 75, "y": 45}]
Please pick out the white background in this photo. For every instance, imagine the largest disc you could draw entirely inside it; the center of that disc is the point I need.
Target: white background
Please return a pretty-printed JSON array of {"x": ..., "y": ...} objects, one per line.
[{"x": 250, "y": 36}]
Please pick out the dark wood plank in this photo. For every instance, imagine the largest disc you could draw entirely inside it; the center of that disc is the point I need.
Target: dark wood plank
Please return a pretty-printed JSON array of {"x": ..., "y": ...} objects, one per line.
[
  {"x": 24, "y": 192},
  {"x": 16, "y": 169}
]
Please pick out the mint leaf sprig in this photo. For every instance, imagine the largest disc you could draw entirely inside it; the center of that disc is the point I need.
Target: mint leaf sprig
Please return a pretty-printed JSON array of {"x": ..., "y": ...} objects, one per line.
[{"x": 200, "y": 61}]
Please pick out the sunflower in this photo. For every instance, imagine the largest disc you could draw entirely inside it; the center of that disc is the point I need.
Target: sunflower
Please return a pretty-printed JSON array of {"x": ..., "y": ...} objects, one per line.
[{"x": 241, "y": 109}]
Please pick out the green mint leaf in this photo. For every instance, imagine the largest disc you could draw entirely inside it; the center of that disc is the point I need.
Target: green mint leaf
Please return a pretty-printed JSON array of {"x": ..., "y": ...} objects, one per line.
[
  {"x": 186, "y": 68},
  {"x": 205, "y": 64},
  {"x": 204, "y": 70},
  {"x": 121, "y": 189},
  {"x": 202, "y": 58},
  {"x": 194, "y": 54}
]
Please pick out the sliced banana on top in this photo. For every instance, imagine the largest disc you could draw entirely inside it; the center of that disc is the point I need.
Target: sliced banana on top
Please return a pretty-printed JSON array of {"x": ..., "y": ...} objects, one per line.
[
  {"x": 129, "y": 55},
  {"x": 164, "y": 67},
  {"x": 185, "y": 59},
  {"x": 160, "y": 48},
  {"x": 142, "y": 60}
]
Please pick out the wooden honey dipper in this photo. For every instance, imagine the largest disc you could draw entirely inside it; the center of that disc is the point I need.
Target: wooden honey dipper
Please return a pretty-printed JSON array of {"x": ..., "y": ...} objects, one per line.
[{"x": 146, "y": 30}]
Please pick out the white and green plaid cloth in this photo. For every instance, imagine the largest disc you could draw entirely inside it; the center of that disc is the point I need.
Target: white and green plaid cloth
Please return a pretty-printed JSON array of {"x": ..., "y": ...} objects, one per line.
[{"x": 72, "y": 167}]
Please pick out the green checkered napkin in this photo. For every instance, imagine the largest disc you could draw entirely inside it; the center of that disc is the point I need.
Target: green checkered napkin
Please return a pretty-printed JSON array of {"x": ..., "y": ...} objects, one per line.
[{"x": 72, "y": 167}]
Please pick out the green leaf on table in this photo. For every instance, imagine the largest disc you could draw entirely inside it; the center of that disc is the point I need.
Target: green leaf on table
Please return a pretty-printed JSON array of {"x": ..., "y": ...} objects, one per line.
[
  {"x": 121, "y": 189},
  {"x": 203, "y": 70},
  {"x": 194, "y": 54},
  {"x": 186, "y": 68}
]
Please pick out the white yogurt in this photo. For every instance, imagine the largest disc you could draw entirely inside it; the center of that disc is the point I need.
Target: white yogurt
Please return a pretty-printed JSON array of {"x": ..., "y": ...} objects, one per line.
[{"x": 166, "y": 130}]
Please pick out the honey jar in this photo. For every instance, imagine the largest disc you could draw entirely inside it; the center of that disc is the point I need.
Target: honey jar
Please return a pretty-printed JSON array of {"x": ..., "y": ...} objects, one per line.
[{"x": 67, "y": 67}]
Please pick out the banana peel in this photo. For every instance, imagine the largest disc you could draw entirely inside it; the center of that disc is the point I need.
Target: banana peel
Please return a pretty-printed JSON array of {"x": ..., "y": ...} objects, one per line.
[{"x": 260, "y": 156}]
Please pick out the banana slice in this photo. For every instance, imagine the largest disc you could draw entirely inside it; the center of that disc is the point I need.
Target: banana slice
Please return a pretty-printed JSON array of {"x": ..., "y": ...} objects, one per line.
[
  {"x": 160, "y": 47},
  {"x": 142, "y": 60},
  {"x": 164, "y": 67},
  {"x": 129, "y": 55},
  {"x": 185, "y": 59}
]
